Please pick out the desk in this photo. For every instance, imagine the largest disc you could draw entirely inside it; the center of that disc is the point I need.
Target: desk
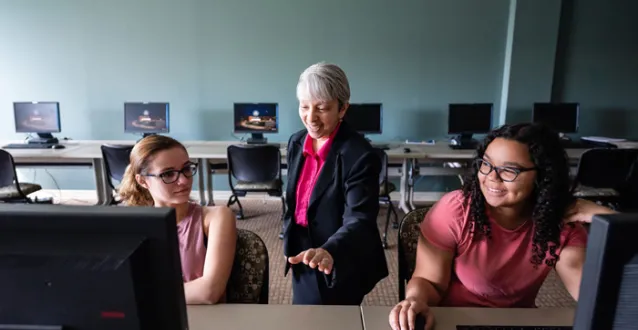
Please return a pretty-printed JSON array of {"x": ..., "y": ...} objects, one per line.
[
  {"x": 273, "y": 317},
  {"x": 88, "y": 153},
  {"x": 376, "y": 317}
]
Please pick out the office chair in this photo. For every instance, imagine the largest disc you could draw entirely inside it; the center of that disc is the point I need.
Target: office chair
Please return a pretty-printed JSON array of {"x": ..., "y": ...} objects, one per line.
[
  {"x": 11, "y": 190},
  {"x": 256, "y": 168},
  {"x": 603, "y": 173},
  {"x": 409, "y": 231},
  {"x": 249, "y": 277},
  {"x": 385, "y": 188},
  {"x": 116, "y": 159}
]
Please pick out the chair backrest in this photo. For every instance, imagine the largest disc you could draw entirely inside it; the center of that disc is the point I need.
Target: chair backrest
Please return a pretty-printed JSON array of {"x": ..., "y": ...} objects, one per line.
[
  {"x": 605, "y": 167},
  {"x": 409, "y": 231},
  {"x": 8, "y": 176},
  {"x": 254, "y": 162},
  {"x": 249, "y": 278},
  {"x": 116, "y": 159},
  {"x": 383, "y": 175}
]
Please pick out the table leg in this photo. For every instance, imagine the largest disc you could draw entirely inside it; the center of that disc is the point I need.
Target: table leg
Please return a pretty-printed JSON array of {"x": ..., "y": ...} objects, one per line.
[
  {"x": 209, "y": 183},
  {"x": 99, "y": 175},
  {"x": 411, "y": 175},
  {"x": 403, "y": 205},
  {"x": 200, "y": 182}
]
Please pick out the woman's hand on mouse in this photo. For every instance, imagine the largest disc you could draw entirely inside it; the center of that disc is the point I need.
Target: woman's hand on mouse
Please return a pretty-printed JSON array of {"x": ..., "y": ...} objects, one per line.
[{"x": 403, "y": 315}]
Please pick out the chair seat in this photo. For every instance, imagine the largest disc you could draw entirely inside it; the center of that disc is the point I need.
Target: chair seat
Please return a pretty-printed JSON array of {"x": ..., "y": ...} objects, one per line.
[
  {"x": 10, "y": 192},
  {"x": 584, "y": 191},
  {"x": 390, "y": 188},
  {"x": 268, "y": 185}
]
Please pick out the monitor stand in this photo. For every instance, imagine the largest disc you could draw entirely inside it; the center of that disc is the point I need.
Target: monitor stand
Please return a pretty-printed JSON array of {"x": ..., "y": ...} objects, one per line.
[
  {"x": 43, "y": 138},
  {"x": 464, "y": 142},
  {"x": 148, "y": 134},
  {"x": 257, "y": 138}
]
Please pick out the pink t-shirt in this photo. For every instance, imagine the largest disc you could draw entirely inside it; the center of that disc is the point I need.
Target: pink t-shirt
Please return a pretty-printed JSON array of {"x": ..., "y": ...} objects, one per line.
[{"x": 495, "y": 272}]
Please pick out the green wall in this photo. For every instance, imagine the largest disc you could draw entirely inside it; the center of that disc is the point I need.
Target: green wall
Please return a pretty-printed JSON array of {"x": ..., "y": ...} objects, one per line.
[{"x": 201, "y": 56}]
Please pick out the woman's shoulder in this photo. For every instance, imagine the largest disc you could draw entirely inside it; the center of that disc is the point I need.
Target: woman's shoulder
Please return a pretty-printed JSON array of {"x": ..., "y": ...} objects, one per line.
[
  {"x": 451, "y": 209},
  {"x": 217, "y": 214}
]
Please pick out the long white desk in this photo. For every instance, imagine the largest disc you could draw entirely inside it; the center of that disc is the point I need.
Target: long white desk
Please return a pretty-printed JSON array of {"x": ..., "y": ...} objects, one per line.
[
  {"x": 273, "y": 317},
  {"x": 376, "y": 317},
  {"x": 88, "y": 153}
]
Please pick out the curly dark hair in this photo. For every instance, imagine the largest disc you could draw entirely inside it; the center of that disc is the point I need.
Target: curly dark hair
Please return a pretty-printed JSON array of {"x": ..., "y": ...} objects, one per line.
[{"x": 551, "y": 195}]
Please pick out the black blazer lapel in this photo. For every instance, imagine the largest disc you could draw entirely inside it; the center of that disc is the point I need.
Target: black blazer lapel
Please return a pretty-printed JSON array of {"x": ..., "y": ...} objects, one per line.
[{"x": 329, "y": 169}]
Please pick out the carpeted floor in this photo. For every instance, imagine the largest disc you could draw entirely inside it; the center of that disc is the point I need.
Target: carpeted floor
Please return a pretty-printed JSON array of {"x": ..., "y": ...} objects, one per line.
[{"x": 263, "y": 218}]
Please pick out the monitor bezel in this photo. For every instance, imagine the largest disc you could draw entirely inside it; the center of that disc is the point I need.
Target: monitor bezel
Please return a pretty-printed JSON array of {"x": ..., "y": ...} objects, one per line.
[
  {"x": 380, "y": 105},
  {"x": 250, "y": 131},
  {"x": 57, "y": 109},
  {"x": 449, "y": 118},
  {"x": 168, "y": 119},
  {"x": 577, "y": 104}
]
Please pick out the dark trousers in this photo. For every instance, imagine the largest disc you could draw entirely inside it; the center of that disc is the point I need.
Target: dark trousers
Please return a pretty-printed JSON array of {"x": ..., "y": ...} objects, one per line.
[{"x": 309, "y": 286}]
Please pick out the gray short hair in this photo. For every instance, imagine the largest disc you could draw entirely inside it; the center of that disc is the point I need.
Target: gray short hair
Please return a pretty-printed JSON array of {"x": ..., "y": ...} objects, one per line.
[{"x": 325, "y": 82}]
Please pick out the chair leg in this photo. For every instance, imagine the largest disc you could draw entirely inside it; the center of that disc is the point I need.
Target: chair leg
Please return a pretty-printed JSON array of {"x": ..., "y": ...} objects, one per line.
[
  {"x": 385, "y": 232},
  {"x": 395, "y": 223},
  {"x": 283, "y": 214},
  {"x": 232, "y": 200}
]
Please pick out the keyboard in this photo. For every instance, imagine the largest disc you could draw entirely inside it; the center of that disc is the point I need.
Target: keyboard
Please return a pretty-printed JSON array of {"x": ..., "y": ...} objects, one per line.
[
  {"x": 511, "y": 327},
  {"x": 30, "y": 146}
]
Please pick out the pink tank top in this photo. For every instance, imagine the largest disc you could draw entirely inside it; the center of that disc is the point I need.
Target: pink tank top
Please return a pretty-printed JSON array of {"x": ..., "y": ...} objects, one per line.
[{"x": 190, "y": 233}]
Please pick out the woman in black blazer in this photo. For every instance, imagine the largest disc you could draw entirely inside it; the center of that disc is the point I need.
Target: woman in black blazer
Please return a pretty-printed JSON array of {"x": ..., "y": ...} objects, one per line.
[{"x": 331, "y": 239}]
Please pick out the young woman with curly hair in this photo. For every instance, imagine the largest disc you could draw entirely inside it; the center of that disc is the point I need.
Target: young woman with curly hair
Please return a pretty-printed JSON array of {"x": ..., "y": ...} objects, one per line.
[{"x": 493, "y": 243}]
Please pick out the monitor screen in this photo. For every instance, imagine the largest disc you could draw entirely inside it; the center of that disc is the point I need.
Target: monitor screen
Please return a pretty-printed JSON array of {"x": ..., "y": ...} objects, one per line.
[
  {"x": 561, "y": 117},
  {"x": 365, "y": 118},
  {"x": 470, "y": 118},
  {"x": 146, "y": 117},
  {"x": 37, "y": 117},
  {"x": 256, "y": 117}
]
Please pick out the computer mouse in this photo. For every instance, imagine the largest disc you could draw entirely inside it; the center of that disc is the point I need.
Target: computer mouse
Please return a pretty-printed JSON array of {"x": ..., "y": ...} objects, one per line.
[
  {"x": 419, "y": 322},
  {"x": 57, "y": 146},
  {"x": 406, "y": 150}
]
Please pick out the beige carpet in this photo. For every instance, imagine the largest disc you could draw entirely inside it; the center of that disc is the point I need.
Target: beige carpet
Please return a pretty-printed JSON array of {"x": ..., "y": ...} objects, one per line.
[{"x": 263, "y": 218}]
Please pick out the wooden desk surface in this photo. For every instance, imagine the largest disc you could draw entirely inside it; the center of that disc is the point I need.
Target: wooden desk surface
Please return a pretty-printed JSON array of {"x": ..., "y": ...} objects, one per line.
[
  {"x": 376, "y": 317},
  {"x": 273, "y": 317}
]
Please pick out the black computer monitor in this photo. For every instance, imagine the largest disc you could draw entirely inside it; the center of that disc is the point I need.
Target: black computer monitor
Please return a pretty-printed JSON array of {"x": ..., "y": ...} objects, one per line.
[
  {"x": 561, "y": 117},
  {"x": 256, "y": 119},
  {"x": 146, "y": 118},
  {"x": 42, "y": 118},
  {"x": 90, "y": 268},
  {"x": 365, "y": 118},
  {"x": 466, "y": 119},
  {"x": 608, "y": 297}
]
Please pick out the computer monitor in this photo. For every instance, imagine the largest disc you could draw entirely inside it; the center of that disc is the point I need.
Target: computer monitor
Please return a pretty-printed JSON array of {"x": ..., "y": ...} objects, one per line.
[
  {"x": 42, "y": 118},
  {"x": 609, "y": 286},
  {"x": 147, "y": 118},
  {"x": 561, "y": 117},
  {"x": 90, "y": 267},
  {"x": 466, "y": 119},
  {"x": 256, "y": 119},
  {"x": 365, "y": 118}
]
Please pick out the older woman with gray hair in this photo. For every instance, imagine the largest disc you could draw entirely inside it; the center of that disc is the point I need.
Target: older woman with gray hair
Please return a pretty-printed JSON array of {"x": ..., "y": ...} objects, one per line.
[{"x": 331, "y": 238}]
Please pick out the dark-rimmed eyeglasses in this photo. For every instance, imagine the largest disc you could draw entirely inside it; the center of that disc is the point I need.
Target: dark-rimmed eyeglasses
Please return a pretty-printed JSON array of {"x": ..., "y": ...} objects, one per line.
[
  {"x": 505, "y": 173},
  {"x": 171, "y": 176}
]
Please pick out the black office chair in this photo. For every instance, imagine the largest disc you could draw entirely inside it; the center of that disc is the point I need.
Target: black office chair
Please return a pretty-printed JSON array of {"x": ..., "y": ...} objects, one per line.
[
  {"x": 385, "y": 188},
  {"x": 256, "y": 168},
  {"x": 11, "y": 190},
  {"x": 116, "y": 159},
  {"x": 603, "y": 173}
]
